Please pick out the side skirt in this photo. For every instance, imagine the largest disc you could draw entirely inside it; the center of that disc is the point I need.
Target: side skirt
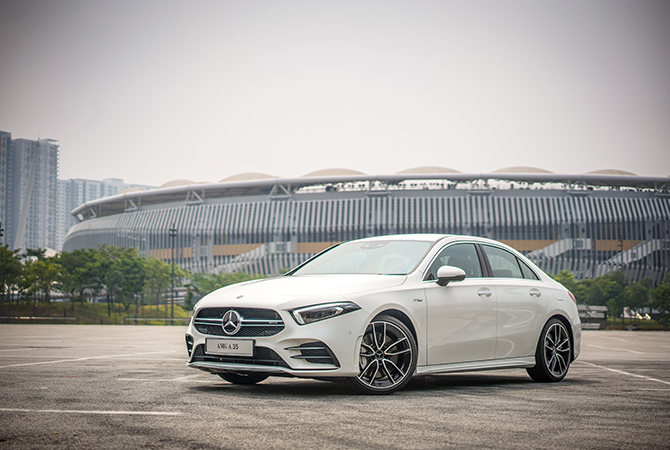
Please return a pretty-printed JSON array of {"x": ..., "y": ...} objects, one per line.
[{"x": 510, "y": 363}]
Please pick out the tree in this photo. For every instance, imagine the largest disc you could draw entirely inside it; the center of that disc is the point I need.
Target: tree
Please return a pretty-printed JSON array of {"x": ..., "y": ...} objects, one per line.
[
  {"x": 636, "y": 296},
  {"x": 189, "y": 300},
  {"x": 567, "y": 279},
  {"x": 113, "y": 284},
  {"x": 619, "y": 278},
  {"x": 595, "y": 295},
  {"x": 10, "y": 271},
  {"x": 582, "y": 291},
  {"x": 77, "y": 273},
  {"x": 124, "y": 274},
  {"x": 43, "y": 274},
  {"x": 158, "y": 277},
  {"x": 36, "y": 253},
  {"x": 661, "y": 301},
  {"x": 135, "y": 275},
  {"x": 613, "y": 292}
]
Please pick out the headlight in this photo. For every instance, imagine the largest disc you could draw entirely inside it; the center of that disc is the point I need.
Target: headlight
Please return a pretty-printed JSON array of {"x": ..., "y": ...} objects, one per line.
[{"x": 314, "y": 313}]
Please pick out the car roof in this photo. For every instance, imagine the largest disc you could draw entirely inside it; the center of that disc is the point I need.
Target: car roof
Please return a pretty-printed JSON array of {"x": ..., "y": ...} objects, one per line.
[
  {"x": 431, "y": 237},
  {"x": 406, "y": 237}
]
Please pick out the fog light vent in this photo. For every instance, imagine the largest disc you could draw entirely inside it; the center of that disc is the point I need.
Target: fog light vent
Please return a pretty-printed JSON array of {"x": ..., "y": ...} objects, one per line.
[
  {"x": 315, "y": 352},
  {"x": 189, "y": 344}
]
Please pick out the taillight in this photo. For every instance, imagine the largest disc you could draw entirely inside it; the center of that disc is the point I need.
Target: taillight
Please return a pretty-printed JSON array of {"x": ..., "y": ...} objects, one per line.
[{"x": 572, "y": 297}]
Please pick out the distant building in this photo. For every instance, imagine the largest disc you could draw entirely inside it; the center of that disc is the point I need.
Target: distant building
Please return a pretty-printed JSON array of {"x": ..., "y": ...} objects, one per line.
[
  {"x": 28, "y": 177},
  {"x": 6, "y": 187},
  {"x": 35, "y": 205},
  {"x": 77, "y": 191},
  {"x": 589, "y": 224}
]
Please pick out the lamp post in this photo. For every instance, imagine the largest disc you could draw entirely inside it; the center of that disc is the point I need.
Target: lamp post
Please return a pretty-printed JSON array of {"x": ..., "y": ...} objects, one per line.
[
  {"x": 173, "y": 235},
  {"x": 623, "y": 300}
]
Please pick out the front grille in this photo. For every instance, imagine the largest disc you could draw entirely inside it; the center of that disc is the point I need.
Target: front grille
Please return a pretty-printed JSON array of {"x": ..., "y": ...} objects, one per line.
[
  {"x": 315, "y": 352},
  {"x": 256, "y": 322},
  {"x": 262, "y": 357}
]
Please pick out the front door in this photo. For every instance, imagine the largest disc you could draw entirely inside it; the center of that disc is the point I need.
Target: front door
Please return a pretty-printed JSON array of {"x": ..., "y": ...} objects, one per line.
[{"x": 461, "y": 321}]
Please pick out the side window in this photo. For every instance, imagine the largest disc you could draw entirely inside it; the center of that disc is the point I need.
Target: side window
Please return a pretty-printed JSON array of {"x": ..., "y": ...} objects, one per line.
[
  {"x": 527, "y": 273},
  {"x": 503, "y": 263},
  {"x": 463, "y": 256}
]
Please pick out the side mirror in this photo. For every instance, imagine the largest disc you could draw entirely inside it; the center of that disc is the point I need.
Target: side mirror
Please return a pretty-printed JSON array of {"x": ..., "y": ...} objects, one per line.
[{"x": 445, "y": 274}]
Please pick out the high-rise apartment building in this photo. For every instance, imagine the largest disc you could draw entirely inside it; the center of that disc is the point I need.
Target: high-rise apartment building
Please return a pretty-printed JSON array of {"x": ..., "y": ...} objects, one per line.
[
  {"x": 29, "y": 173},
  {"x": 6, "y": 187},
  {"x": 35, "y": 205}
]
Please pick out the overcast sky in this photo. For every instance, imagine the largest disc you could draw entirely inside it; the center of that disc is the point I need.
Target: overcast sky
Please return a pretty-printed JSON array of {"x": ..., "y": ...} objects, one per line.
[{"x": 152, "y": 91}]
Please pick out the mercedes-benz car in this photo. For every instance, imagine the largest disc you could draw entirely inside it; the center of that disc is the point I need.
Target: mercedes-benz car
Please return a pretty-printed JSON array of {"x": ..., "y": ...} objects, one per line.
[{"x": 378, "y": 311}]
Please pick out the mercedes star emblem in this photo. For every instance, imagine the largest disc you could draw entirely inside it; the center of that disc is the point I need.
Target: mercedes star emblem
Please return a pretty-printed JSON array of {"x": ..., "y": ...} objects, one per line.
[{"x": 231, "y": 323}]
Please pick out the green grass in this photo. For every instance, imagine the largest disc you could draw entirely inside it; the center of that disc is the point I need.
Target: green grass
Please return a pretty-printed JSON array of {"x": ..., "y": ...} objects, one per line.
[
  {"x": 89, "y": 313},
  {"x": 645, "y": 325}
]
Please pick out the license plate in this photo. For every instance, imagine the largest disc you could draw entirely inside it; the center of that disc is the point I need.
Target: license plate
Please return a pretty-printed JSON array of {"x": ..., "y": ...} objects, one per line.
[{"x": 230, "y": 347}]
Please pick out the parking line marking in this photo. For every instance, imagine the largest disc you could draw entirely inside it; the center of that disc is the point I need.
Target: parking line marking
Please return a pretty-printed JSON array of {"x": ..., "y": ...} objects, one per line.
[
  {"x": 166, "y": 379},
  {"x": 619, "y": 349},
  {"x": 75, "y": 411},
  {"x": 85, "y": 359},
  {"x": 179, "y": 379},
  {"x": 617, "y": 339},
  {"x": 17, "y": 350},
  {"x": 625, "y": 373}
]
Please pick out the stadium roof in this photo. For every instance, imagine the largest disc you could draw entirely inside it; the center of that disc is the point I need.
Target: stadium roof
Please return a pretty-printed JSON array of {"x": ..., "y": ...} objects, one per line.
[
  {"x": 251, "y": 184},
  {"x": 248, "y": 176},
  {"x": 611, "y": 172},
  {"x": 332, "y": 172},
  {"x": 521, "y": 169},
  {"x": 429, "y": 169}
]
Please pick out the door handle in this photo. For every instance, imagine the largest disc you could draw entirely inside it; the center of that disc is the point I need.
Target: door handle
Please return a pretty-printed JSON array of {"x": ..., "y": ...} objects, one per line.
[
  {"x": 484, "y": 292},
  {"x": 535, "y": 292}
]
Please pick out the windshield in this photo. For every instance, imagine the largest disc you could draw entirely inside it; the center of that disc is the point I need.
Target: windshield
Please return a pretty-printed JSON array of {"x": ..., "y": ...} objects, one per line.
[{"x": 368, "y": 257}]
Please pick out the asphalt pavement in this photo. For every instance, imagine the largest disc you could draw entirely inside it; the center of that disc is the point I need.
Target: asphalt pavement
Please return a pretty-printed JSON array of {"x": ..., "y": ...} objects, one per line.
[{"x": 108, "y": 387}]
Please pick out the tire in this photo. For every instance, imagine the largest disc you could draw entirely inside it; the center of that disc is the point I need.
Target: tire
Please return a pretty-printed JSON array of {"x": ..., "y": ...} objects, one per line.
[
  {"x": 553, "y": 354},
  {"x": 387, "y": 358},
  {"x": 244, "y": 377}
]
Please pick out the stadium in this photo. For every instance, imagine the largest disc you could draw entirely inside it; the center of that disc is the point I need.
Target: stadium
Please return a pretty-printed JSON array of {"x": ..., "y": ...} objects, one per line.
[{"x": 589, "y": 224}]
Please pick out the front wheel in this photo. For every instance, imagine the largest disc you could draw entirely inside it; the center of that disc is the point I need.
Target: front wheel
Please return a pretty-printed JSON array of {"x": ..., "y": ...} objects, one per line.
[
  {"x": 243, "y": 377},
  {"x": 388, "y": 356},
  {"x": 553, "y": 354}
]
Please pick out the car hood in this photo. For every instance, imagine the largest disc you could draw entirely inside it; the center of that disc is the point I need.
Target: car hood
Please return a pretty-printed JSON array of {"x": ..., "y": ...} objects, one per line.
[{"x": 296, "y": 291}]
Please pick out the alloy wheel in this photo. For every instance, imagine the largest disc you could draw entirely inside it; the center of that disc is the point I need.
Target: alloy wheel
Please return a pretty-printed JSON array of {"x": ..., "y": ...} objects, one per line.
[
  {"x": 386, "y": 356},
  {"x": 557, "y": 349}
]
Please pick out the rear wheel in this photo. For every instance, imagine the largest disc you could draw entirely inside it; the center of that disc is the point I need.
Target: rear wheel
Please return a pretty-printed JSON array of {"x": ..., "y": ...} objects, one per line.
[
  {"x": 244, "y": 377},
  {"x": 553, "y": 354},
  {"x": 387, "y": 357}
]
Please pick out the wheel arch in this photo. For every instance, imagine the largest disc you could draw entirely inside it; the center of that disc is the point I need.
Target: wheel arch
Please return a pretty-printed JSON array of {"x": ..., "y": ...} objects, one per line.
[
  {"x": 568, "y": 326},
  {"x": 401, "y": 316}
]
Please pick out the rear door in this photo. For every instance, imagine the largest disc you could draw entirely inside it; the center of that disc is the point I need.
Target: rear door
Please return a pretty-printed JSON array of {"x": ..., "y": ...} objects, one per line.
[{"x": 522, "y": 302}]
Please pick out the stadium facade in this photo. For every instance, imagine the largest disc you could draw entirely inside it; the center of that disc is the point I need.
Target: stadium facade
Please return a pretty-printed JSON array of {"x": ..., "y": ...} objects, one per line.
[{"x": 589, "y": 224}]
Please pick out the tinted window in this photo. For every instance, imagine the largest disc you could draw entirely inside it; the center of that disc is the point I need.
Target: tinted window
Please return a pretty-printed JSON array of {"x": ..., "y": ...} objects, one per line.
[
  {"x": 463, "y": 256},
  {"x": 527, "y": 272},
  {"x": 503, "y": 263}
]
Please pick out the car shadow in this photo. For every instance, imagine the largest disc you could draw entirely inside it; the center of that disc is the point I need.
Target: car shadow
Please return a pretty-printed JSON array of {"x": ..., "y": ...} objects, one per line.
[{"x": 471, "y": 383}]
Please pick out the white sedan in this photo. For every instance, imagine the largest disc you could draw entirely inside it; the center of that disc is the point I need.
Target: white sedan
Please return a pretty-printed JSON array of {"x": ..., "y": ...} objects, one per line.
[{"x": 380, "y": 310}]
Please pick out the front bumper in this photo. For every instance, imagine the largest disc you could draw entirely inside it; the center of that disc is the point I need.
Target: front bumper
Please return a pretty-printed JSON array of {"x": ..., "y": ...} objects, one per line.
[{"x": 328, "y": 348}]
